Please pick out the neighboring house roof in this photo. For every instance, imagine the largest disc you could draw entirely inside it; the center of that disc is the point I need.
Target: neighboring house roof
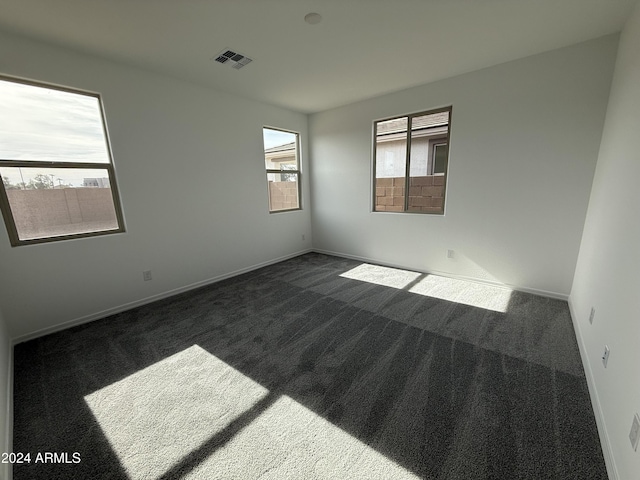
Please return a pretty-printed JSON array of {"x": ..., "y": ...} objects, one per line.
[{"x": 281, "y": 148}]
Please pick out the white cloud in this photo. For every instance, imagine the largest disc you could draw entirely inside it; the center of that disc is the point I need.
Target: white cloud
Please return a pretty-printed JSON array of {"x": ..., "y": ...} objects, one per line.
[{"x": 44, "y": 124}]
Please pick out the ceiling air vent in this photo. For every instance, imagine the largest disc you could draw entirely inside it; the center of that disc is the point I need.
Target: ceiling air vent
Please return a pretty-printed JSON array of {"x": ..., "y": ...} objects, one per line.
[{"x": 233, "y": 59}]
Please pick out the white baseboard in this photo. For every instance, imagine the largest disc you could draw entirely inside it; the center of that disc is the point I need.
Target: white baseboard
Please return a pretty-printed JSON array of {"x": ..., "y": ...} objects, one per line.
[
  {"x": 143, "y": 301},
  {"x": 543, "y": 293},
  {"x": 607, "y": 451},
  {"x": 176, "y": 291}
]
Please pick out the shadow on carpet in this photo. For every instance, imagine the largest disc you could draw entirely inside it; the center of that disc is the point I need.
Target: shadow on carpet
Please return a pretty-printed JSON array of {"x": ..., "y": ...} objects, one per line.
[{"x": 300, "y": 370}]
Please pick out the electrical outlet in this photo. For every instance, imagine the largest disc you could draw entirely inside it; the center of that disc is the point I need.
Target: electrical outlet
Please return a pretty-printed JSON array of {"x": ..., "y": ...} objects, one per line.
[
  {"x": 146, "y": 275},
  {"x": 451, "y": 254},
  {"x": 605, "y": 356},
  {"x": 593, "y": 313},
  {"x": 634, "y": 436},
  {"x": 303, "y": 237}
]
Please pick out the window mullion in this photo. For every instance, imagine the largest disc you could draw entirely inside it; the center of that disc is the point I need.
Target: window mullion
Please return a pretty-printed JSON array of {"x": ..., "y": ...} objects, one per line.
[
  {"x": 45, "y": 164},
  {"x": 407, "y": 165},
  {"x": 8, "y": 215}
]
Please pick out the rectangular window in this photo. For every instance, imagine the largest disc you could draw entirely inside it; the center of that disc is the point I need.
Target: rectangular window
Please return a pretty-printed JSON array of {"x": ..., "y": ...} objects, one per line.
[
  {"x": 58, "y": 180},
  {"x": 281, "y": 158},
  {"x": 411, "y": 156}
]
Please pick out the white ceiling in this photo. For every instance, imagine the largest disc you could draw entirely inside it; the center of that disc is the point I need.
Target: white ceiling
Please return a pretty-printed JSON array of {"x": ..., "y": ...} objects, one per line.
[{"x": 361, "y": 49}]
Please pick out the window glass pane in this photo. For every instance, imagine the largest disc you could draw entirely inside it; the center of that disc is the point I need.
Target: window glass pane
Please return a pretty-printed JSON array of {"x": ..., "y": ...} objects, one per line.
[
  {"x": 45, "y": 124},
  {"x": 440, "y": 155},
  {"x": 427, "y": 167},
  {"x": 283, "y": 169},
  {"x": 283, "y": 191},
  {"x": 51, "y": 202},
  {"x": 391, "y": 164},
  {"x": 280, "y": 150}
]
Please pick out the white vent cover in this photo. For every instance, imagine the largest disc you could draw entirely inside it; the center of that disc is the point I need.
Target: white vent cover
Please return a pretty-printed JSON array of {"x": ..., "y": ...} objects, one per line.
[{"x": 233, "y": 59}]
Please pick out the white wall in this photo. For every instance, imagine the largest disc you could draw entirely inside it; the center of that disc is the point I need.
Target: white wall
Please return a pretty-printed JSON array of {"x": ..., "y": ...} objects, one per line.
[
  {"x": 5, "y": 390},
  {"x": 608, "y": 271},
  {"x": 524, "y": 143},
  {"x": 179, "y": 150}
]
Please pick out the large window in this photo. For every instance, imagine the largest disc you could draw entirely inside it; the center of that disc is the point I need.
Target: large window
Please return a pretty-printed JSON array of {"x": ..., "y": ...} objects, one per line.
[
  {"x": 281, "y": 157},
  {"x": 57, "y": 174},
  {"x": 411, "y": 157}
]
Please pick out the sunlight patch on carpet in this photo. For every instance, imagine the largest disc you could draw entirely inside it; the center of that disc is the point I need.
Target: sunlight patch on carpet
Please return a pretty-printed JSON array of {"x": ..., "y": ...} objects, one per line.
[
  {"x": 384, "y": 276},
  {"x": 489, "y": 297},
  {"x": 289, "y": 441},
  {"x": 156, "y": 418},
  {"x": 158, "y": 415}
]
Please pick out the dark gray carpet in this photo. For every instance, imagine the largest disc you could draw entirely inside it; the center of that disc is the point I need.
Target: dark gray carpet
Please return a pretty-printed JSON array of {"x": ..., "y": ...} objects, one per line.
[{"x": 294, "y": 371}]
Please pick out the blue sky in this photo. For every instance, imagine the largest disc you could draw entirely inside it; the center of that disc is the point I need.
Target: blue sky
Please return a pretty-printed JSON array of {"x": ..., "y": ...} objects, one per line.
[{"x": 273, "y": 138}]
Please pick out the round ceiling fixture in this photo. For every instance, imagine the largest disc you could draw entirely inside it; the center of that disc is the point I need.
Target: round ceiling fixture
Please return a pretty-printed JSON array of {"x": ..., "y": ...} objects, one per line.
[{"x": 313, "y": 18}]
